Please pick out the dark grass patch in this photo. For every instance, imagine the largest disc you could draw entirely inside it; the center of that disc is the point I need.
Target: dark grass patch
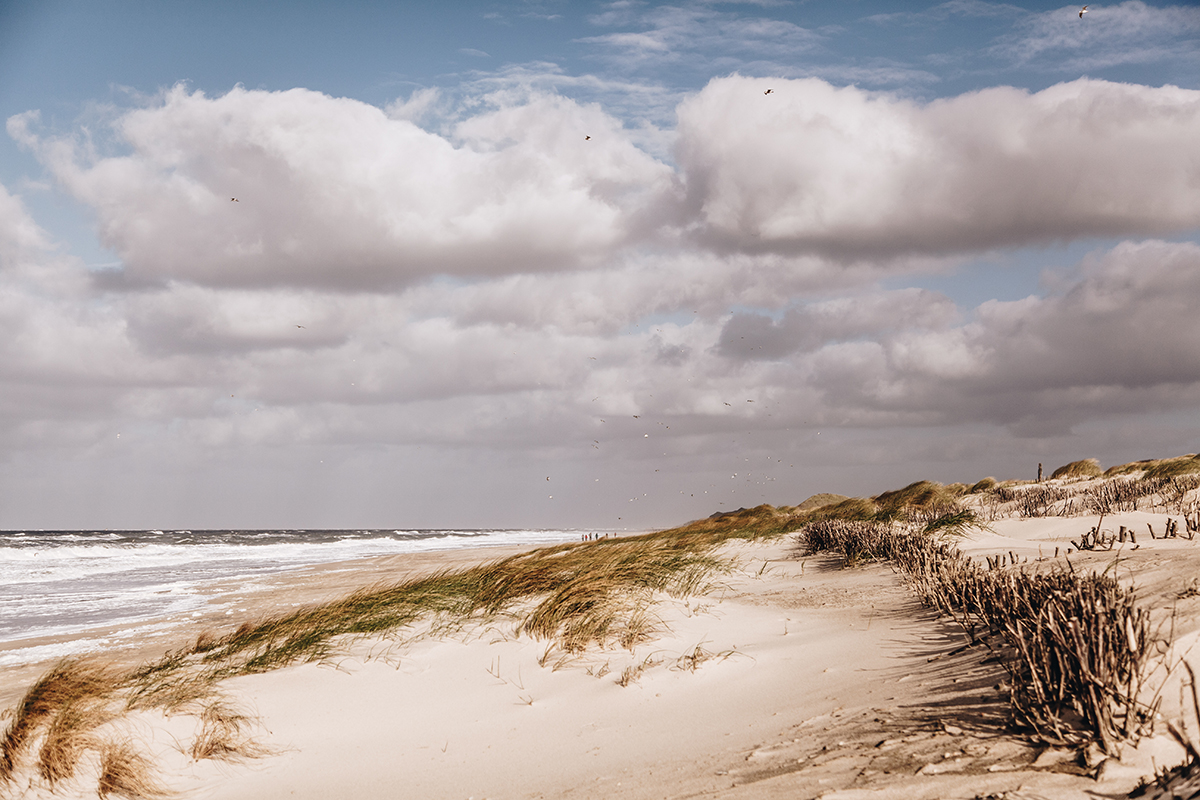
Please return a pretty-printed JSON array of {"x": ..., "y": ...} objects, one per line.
[{"x": 1084, "y": 468}]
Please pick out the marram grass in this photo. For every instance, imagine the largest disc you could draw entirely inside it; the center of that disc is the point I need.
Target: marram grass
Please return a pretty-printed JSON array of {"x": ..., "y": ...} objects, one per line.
[{"x": 574, "y": 595}]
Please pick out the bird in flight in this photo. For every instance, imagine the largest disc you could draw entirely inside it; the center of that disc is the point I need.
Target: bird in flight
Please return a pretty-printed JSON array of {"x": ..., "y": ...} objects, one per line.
[
  {"x": 769, "y": 91},
  {"x": 299, "y": 326},
  {"x": 233, "y": 200},
  {"x": 587, "y": 138},
  {"x": 1082, "y": 11}
]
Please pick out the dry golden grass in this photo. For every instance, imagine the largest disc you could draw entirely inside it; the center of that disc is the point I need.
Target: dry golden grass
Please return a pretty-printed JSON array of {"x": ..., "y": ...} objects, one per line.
[
  {"x": 919, "y": 495},
  {"x": 1158, "y": 467},
  {"x": 225, "y": 735},
  {"x": 125, "y": 772},
  {"x": 68, "y": 701},
  {"x": 70, "y": 735},
  {"x": 984, "y": 485}
]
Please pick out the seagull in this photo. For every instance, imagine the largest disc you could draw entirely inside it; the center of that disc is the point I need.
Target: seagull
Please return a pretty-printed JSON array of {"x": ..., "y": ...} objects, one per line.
[
  {"x": 769, "y": 91},
  {"x": 1082, "y": 11},
  {"x": 299, "y": 326},
  {"x": 587, "y": 138},
  {"x": 233, "y": 200}
]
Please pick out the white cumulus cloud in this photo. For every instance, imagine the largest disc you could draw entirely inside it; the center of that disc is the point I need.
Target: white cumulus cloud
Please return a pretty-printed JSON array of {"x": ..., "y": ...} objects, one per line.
[
  {"x": 816, "y": 168},
  {"x": 333, "y": 192}
]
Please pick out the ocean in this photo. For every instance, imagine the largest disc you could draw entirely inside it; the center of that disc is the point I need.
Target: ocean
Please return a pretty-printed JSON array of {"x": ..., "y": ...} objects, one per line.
[{"x": 58, "y": 583}]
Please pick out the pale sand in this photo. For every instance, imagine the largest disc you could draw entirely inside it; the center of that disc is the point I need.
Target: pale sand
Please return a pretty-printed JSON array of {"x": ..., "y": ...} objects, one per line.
[{"x": 818, "y": 682}]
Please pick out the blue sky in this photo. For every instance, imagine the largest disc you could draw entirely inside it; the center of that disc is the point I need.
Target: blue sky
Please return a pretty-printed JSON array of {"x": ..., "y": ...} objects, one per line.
[{"x": 569, "y": 264}]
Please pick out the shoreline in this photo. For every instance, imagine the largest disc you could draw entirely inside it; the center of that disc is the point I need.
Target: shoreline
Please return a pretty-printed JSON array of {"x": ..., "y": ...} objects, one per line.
[{"x": 232, "y": 601}]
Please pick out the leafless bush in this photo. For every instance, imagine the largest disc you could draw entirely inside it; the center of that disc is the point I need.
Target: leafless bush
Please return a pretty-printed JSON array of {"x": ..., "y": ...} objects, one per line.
[
  {"x": 1038, "y": 501},
  {"x": 1076, "y": 647},
  {"x": 856, "y": 540}
]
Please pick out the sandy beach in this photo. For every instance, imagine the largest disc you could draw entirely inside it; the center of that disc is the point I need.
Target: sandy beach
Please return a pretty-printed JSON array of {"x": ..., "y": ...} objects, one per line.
[{"x": 791, "y": 677}]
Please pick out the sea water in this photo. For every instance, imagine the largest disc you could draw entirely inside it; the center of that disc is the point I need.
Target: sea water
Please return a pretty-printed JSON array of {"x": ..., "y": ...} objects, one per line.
[{"x": 56, "y": 583}]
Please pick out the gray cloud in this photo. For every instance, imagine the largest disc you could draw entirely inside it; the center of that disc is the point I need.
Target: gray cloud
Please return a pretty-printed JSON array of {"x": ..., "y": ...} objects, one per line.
[
  {"x": 808, "y": 327},
  {"x": 1118, "y": 340},
  {"x": 732, "y": 302}
]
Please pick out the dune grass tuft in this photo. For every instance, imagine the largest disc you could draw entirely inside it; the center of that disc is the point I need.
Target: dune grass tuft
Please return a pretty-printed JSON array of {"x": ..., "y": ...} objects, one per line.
[
  {"x": 984, "y": 485},
  {"x": 1084, "y": 468},
  {"x": 224, "y": 735},
  {"x": 70, "y": 735},
  {"x": 922, "y": 495},
  {"x": 1157, "y": 467},
  {"x": 66, "y": 701},
  {"x": 821, "y": 499},
  {"x": 125, "y": 772}
]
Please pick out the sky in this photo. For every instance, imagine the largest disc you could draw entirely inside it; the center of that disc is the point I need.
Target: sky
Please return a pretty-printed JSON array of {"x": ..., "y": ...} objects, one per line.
[{"x": 584, "y": 264}]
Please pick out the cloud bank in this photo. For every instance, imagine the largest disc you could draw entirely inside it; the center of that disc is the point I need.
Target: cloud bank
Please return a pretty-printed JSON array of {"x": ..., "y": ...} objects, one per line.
[{"x": 496, "y": 282}]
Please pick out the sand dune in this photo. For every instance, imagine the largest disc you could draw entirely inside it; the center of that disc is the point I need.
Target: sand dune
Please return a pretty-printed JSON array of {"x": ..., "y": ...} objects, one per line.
[{"x": 792, "y": 678}]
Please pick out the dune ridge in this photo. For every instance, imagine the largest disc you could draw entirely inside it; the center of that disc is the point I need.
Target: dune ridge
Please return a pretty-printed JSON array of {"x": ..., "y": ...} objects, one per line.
[{"x": 1018, "y": 646}]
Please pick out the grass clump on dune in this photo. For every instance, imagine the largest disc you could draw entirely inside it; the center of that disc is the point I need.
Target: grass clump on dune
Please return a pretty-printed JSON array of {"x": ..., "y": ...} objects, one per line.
[
  {"x": 984, "y": 485},
  {"x": 821, "y": 499},
  {"x": 1174, "y": 467},
  {"x": 56, "y": 716},
  {"x": 1084, "y": 468},
  {"x": 1158, "y": 467},
  {"x": 919, "y": 496},
  {"x": 63, "y": 717}
]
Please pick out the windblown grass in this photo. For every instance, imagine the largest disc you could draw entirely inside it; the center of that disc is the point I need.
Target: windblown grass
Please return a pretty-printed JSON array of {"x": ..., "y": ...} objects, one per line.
[
  {"x": 61, "y": 708},
  {"x": 921, "y": 497},
  {"x": 576, "y": 595},
  {"x": 224, "y": 735},
  {"x": 983, "y": 485},
  {"x": 76, "y": 709},
  {"x": 127, "y": 773}
]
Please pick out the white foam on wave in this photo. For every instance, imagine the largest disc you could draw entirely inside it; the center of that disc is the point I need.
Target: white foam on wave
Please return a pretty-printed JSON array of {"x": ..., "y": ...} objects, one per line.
[
  {"x": 69, "y": 583},
  {"x": 50, "y": 652}
]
